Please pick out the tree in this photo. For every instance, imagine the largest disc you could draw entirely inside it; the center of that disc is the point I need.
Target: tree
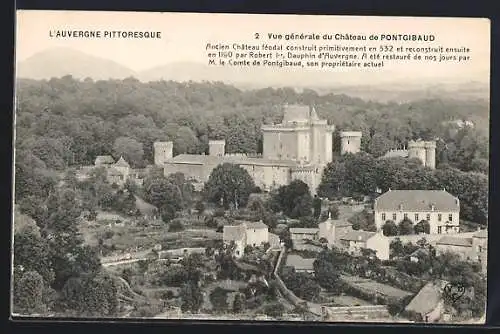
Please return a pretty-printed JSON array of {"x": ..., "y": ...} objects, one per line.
[
  {"x": 396, "y": 248},
  {"x": 390, "y": 228},
  {"x": 229, "y": 184},
  {"x": 185, "y": 141},
  {"x": 29, "y": 290},
  {"x": 405, "y": 227},
  {"x": 91, "y": 295},
  {"x": 294, "y": 200},
  {"x": 363, "y": 220},
  {"x": 33, "y": 253},
  {"x": 239, "y": 303},
  {"x": 302, "y": 285},
  {"x": 328, "y": 267},
  {"x": 191, "y": 297},
  {"x": 130, "y": 149},
  {"x": 218, "y": 298},
  {"x": 422, "y": 226},
  {"x": 316, "y": 206}
]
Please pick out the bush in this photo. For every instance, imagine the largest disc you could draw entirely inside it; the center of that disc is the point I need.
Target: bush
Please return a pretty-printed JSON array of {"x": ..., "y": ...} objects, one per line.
[
  {"x": 175, "y": 226},
  {"x": 274, "y": 310}
]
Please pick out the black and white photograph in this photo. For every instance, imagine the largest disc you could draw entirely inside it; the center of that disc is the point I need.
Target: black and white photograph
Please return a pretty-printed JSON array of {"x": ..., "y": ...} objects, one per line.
[{"x": 250, "y": 167}]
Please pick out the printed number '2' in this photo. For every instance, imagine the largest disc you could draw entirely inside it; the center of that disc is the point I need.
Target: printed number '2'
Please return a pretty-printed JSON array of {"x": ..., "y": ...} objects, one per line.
[{"x": 256, "y": 35}]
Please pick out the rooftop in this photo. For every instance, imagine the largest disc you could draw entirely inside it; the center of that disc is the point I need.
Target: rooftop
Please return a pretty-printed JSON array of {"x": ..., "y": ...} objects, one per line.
[
  {"x": 122, "y": 163},
  {"x": 426, "y": 299},
  {"x": 296, "y": 113},
  {"x": 255, "y": 225},
  {"x": 198, "y": 159},
  {"x": 337, "y": 222},
  {"x": 104, "y": 159},
  {"x": 416, "y": 200},
  {"x": 357, "y": 235},
  {"x": 396, "y": 154},
  {"x": 299, "y": 263},
  {"x": 454, "y": 241},
  {"x": 483, "y": 234},
  {"x": 302, "y": 230},
  {"x": 233, "y": 233}
]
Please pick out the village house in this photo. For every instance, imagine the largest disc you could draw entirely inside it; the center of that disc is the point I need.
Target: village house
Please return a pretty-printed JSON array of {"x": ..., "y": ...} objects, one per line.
[
  {"x": 300, "y": 234},
  {"x": 300, "y": 264},
  {"x": 470, "y": 249},
  {"x": 245, "y": 234},
  {"x": 438, "y": 207},
  {"x": 354, "y": 241},
  {"x": 428, "y": 304},
  {"x": 332, "y": 230}
]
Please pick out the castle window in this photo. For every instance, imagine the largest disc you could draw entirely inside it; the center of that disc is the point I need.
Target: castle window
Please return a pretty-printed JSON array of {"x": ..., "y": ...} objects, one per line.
[
  {"x": 450, "y": 217},
  {"x": 348, "y": 142},
  {"x": 439, "y": 229},
  {"x": 439, "y": 217},
  {"x": 428, "y": 218},
  {"x": 394, "y": 217},
  {"x": 416, "y": 217},
  {"x": 383, "y": 217},
  {"x": 405, "y": 216}
]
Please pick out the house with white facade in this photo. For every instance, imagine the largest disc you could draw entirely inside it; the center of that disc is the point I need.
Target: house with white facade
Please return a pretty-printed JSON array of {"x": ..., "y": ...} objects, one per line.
[
  {"x": 473, "y": 249},
  {"x": 356, "y": 240},
  {"x": 438, "y": 207},
  {"x": 245, "y": 234}
]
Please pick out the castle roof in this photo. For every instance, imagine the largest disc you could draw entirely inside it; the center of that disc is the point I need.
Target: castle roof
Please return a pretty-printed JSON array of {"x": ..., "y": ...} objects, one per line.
[
  {"x": 103, "y": 159},
  {"x": 454, "y": 241},
  {"x": 122, "y": 163},
  {"x": 396, "y": 154},
  {"x": 197, "y": 159},
  {"x": 356, "y": 235},
  {"x": 416, "y": 200},
  {"x": 303, "y": 230},
  {"x": 296, "y": 113}
]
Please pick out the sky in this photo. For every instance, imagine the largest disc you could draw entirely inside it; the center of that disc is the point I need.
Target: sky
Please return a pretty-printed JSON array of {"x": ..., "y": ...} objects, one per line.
[{"x": 184, "y": 37}]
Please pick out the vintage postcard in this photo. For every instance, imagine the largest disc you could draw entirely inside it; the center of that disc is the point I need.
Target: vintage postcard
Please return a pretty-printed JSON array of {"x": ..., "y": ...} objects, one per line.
[{"x": 251, "y": 167}]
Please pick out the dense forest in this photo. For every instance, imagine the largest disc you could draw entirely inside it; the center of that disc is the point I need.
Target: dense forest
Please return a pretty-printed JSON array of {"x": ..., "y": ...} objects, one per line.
[{"x": 67, "y": 122}]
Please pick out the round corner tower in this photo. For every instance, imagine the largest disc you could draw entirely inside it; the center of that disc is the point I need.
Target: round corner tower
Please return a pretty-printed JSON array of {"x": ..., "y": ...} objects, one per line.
[
  {"x": 217, "y": 148},
  {"x": 416, "y": 149},
  {"x": 350, "y": 142},
  {"x": 163, "y": 151},
  {"x": 430, "y": 154}
]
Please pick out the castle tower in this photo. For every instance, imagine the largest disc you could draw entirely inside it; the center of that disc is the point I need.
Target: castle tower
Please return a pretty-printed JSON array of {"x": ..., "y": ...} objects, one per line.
[
  {"x": 217, "y": 148},
  {"x": 430, "y": 154},
  {"x": 162, "y": 152},
  {"x": 416, "y": 149},
  {"x": 350, "y": 142}
]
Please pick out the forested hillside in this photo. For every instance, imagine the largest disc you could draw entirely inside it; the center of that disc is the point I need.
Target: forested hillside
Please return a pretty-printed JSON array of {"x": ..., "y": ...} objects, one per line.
[{"x": 65, "y": 122}]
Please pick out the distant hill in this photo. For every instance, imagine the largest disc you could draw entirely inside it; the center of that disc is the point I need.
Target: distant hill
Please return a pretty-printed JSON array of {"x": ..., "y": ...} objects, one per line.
[{"x": 58, "y": 62}]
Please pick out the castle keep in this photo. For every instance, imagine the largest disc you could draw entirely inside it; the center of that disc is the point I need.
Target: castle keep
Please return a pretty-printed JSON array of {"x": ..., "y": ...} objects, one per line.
[{"x": 297, "y": 149}]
